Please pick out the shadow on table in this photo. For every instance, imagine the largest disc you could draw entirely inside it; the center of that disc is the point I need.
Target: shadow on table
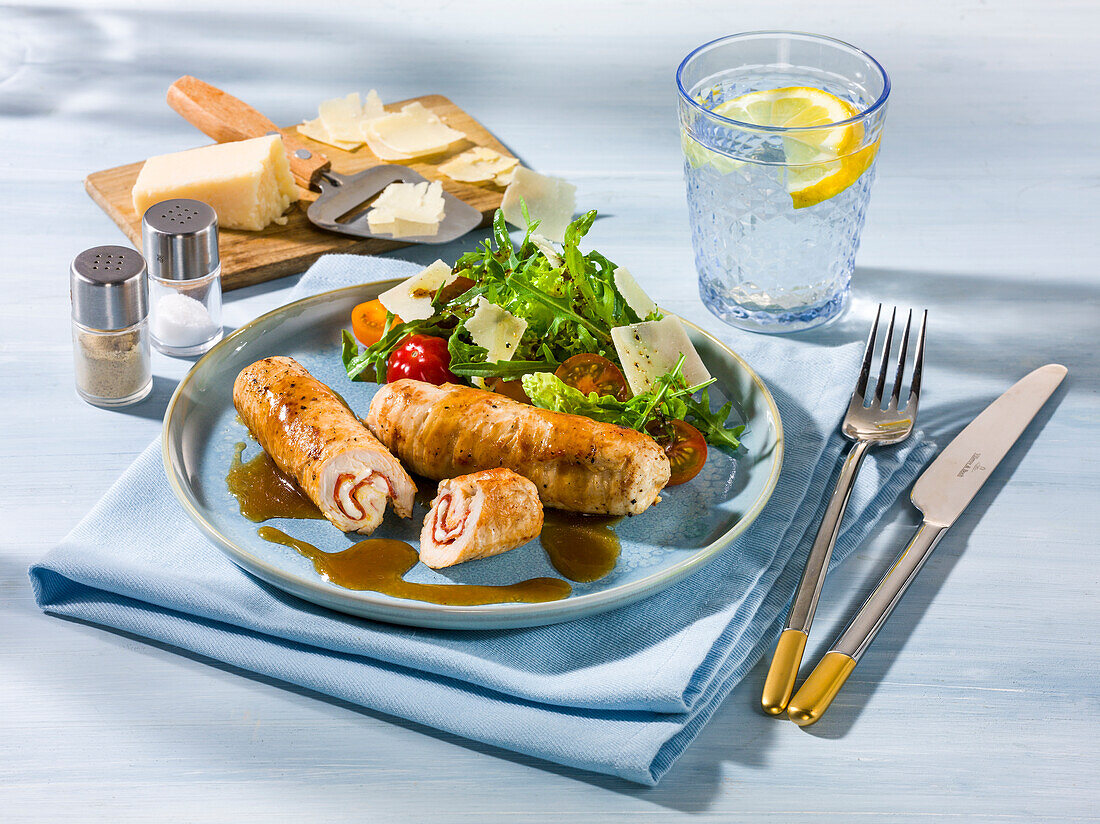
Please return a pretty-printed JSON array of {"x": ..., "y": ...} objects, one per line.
[
  {"x": 978, "y": 321},
  {"x": 891, "y": 640}
]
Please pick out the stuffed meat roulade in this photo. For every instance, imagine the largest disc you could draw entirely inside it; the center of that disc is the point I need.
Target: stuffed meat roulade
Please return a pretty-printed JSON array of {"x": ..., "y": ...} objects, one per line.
[
  {"x": 576, "y": 463},
  {"x": 479, "y": 515},
  {"x": 314, "y": 438}
]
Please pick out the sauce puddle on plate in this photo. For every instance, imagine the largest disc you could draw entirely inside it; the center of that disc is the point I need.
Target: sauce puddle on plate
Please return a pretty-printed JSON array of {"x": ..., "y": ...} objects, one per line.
[
  {"x": 583, "y": 548},
  {"x": 263, "y": 492},
  {"x": 378, "y": 564}
]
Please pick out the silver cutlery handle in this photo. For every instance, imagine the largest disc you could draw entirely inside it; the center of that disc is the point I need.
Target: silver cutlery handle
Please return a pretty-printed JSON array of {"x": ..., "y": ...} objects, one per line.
[
  {"x": 787, "y": 657},
  {"x": 859, "y": 634},
  {"x": 806, "y": 596},
  {"x": 823, "y": 684}
]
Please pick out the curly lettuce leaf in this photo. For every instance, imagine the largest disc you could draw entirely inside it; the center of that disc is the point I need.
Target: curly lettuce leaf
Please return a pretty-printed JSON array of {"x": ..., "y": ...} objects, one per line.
[{"x": 670, "y": 398}]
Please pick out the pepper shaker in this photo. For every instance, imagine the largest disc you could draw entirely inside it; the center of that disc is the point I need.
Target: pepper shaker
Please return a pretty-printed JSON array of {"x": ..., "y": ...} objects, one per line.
[
  {"x": 180, "y": 239},
  {"x": 110, "y": 302}
]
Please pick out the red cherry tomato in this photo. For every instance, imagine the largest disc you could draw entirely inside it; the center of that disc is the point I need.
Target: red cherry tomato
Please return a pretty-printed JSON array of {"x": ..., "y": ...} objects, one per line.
[
  {"x": 422, "y": 358},
  {"x": 367, "y": 321},
  {"x": 685, "y": 447},
  {"x": 594, "y": 373}
]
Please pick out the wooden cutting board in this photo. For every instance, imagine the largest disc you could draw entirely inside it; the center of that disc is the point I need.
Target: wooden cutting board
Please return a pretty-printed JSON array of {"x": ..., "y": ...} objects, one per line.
[{"x": 277, "y": 251}]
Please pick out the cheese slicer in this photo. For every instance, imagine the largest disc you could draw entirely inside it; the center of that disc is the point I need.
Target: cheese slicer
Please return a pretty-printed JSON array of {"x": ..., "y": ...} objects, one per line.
[{"x": 224, "y": 118}]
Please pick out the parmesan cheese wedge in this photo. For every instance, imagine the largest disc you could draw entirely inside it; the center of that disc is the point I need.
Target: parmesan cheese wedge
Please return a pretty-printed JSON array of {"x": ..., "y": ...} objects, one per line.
[
  {"x": 632, "y": 293},
  {"x": 479, "y": 165},
  {"x": 341, "y": 117},
  {"x": 650, "y": 349},
  {"x": 315, "y": 130},
  {"x": 412, "y": 299},
  {"x": 550, "y": 200},
  {"x": 411, "y": 133},
  {"x": 496, "y": 330},
  {"x": 247, "y": 182}
]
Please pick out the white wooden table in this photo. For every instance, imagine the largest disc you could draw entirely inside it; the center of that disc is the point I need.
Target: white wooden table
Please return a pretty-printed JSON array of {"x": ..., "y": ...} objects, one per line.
[{"x": 978, "y": 702}]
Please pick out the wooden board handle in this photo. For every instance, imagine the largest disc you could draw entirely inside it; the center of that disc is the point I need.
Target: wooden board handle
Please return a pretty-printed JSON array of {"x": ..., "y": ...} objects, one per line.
[{"x": 225, "y": 118}]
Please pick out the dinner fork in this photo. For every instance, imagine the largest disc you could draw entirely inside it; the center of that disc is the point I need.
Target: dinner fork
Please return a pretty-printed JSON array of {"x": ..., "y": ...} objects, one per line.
[{"x": 867, "y": 423}]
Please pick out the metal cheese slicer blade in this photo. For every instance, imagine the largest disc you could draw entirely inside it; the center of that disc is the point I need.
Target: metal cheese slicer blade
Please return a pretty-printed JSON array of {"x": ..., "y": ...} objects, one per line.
[
  {"x": 339, "y": 207},
  {"x": 342, "y": 195}
]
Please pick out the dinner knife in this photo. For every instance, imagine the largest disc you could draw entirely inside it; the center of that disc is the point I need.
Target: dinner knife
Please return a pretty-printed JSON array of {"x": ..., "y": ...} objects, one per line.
[{"x": 941, "y": 493}]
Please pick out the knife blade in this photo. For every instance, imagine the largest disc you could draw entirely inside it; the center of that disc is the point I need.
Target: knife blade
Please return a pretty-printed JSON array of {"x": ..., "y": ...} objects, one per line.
[
  {"x": 951, "y": 481},
  {"x": 941, "y": 493}
]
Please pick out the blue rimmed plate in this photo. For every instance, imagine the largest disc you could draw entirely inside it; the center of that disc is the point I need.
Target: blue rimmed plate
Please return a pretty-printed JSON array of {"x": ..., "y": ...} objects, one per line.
[{"x": 691, "y": 525}]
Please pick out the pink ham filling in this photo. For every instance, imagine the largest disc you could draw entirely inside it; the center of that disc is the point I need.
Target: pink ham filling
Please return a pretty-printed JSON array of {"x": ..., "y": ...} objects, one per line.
[
  {"x": 348, "y": 477},
  {"x": 442, "y": 532}
]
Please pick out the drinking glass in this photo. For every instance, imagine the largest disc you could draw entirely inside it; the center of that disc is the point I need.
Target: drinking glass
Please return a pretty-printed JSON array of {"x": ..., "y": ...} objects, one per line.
[{"x": 776, "y": 211}]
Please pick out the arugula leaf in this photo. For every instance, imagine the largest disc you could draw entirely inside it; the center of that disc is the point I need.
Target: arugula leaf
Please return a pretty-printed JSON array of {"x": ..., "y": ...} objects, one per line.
[
  {"x": 501, "y": 369},
  {"x": 713, "y": 423},
  {"x": 463, "y": 352}
]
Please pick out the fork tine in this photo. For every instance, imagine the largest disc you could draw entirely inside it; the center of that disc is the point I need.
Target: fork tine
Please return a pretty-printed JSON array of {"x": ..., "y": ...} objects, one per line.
[
  {"x": 918, "y": 365},
  {"x": 885, "y": 358},
  {"x": 868, "y": 353},
  {"x": 895, "y": 395}
]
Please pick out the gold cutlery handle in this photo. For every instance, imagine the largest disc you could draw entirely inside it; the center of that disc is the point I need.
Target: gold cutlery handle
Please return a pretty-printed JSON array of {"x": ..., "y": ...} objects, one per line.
[
  {"x": 788, "y": 652},
  {"x": 779, "y": 684},
  {"x": 818, "y": 691}
]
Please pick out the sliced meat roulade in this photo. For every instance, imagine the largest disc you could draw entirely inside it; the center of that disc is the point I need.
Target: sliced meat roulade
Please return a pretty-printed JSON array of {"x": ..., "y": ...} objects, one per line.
[
  {"x": 576, "y": 463},
  {"x": 479, "y": 515},
  {"x": 312, "y": 436}
]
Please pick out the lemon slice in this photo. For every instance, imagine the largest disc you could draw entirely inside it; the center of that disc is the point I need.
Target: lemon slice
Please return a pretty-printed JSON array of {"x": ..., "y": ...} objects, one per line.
[{"x": 821, "y": 162}]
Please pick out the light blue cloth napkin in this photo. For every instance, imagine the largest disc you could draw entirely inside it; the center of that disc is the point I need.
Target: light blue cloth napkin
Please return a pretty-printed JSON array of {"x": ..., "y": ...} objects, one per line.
[{"x": 622, "y": 693}]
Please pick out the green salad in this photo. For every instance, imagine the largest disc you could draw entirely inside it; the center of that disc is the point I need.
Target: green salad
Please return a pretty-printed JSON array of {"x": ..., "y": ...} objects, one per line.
[{"x": 535, "y": 321}]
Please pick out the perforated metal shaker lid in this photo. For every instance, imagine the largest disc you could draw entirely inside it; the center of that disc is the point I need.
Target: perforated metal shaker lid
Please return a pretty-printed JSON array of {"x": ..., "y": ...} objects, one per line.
[
  {"x": 108, "y": 288},
  {"x": 180, "y": 239}
]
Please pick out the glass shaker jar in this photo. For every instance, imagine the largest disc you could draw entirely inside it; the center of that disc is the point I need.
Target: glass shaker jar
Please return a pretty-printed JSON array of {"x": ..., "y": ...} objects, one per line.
[
  {"x": 110, "y": 303},
  {"x": 180, "y": 239}
]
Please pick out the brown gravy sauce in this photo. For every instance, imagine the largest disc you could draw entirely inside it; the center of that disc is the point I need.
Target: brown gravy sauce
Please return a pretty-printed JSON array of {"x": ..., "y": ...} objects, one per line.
[
  {"x": 582, "y": 548},
  {"x": 378, "y": 564},
  {"x": 264, "y": 492}
]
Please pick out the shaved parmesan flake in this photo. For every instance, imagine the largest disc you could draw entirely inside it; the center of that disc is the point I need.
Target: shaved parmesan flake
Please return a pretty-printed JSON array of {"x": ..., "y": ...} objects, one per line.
[
  {"x": 315, "y": 130},
  {"x": 496, "y": 330},
  {"x": 550, "y": 200},
  {"x": 505, "y": 178},
  {"x": 412, "y": 299},
  {"x": 411, "y": 133},
  {"x": 632, "y": 293},
  {"x": 479, "y": 165},
  {"x": 372, "y": 106},
  {"x": 341, "y": 117},
  {"x": 546, "y": 246},
  {"x": 408, "y": 210},
  {"x": 650, "y": 349}
]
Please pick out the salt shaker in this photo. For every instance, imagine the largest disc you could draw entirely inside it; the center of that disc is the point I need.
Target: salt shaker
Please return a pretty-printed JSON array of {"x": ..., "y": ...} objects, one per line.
[
  {"x": 180, "y": 239},
  {"x": 110, "y": 300}
]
